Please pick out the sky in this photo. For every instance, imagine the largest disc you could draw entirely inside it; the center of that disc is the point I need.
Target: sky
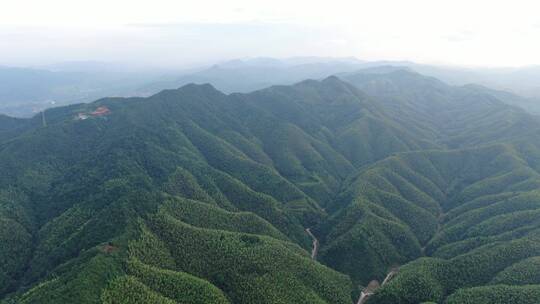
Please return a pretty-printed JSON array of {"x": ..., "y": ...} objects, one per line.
[{"x": 168, "y": 33}]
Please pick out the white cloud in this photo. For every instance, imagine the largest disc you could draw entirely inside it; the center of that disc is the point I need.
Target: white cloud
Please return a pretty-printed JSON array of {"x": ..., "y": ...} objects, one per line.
[{"x": 466, "y": 32}]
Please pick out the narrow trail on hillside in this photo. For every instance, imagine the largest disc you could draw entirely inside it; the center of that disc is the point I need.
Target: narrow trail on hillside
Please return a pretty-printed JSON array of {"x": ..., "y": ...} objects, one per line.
[
  {"x": 374, "y": 285},
  {"x": 315, "y": 248}
]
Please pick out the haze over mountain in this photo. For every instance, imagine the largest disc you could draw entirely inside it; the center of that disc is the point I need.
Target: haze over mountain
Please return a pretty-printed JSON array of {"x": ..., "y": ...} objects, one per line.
[
  {"x": 269, "y": 152},
  {"x": 26, "y": 91},
  {"x": 196, "y": 196}
]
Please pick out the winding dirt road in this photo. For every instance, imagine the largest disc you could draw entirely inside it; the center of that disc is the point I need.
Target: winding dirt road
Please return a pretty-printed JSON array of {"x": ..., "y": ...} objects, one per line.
[
  {"x": 374, "y": 285},
  {"x": 368, "y": 291},
  {"x": 315, "y": 248}
]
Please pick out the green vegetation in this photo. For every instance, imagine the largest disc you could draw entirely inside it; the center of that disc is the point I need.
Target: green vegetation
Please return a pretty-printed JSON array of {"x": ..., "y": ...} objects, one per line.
[
  {"x": 194, "y": 196},
  {"x": 522, "y": 273},
  {"x": 498, "y": 294},
  {"x": 178, "y": 286}
]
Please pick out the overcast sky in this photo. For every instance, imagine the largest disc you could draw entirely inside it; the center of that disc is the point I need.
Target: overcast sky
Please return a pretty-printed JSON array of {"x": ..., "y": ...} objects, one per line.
[{"x": 182, "y": 33}]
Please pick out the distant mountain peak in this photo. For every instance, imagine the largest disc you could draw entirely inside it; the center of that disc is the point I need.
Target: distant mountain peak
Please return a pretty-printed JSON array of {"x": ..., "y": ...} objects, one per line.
[
  {"x": 332, "y": 78},
  {"x": 198, "y": 86}
]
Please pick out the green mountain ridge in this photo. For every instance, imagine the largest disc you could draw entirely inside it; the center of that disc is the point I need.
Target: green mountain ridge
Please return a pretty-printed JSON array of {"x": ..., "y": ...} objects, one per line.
[{"x": 195, "y": 196}]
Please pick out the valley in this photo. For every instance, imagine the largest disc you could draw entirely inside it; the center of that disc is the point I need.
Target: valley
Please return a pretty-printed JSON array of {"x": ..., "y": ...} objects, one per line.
[{"x": 289, "y": 194}]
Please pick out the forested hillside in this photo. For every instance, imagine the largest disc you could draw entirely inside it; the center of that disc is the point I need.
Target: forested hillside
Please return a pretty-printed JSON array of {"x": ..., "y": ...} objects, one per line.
[
  {"x": 468, "y": 213},
  {"x": 196, "y": 196}
]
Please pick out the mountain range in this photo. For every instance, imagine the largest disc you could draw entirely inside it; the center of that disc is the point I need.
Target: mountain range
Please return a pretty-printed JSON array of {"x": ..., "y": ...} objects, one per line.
[
  {"x": 27, "y": 91},
  {"x": 375, "y": 186}
]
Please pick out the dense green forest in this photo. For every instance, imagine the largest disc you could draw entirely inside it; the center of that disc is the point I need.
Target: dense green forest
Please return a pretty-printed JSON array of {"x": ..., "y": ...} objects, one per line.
[{"x": 196, "y": 196}]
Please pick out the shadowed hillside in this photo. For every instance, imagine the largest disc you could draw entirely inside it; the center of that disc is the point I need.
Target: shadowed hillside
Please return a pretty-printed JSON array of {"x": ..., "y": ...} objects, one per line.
[{"x": 196, "y": 196}]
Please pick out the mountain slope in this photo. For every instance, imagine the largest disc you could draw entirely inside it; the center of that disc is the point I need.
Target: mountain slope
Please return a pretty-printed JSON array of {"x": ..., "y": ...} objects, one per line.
[
  {"x": 196, "y": 196},
  {"x": 473, "y": 210},
  {"x": 79, "y": 190}
]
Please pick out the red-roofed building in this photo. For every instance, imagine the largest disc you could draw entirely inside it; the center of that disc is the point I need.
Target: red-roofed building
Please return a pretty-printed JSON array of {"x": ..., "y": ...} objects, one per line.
[{"x": 101, "y": 111}]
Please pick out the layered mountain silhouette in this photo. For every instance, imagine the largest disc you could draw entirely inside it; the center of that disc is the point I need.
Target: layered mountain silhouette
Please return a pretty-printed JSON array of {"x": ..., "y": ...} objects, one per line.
[{"x": 196, "y": 196}]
